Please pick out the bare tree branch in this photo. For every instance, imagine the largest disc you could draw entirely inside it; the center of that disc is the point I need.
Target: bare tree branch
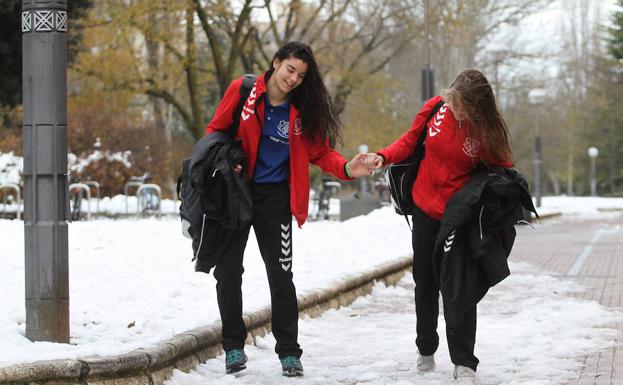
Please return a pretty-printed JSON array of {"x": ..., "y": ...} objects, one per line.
[{"x": 217, "y": 54}]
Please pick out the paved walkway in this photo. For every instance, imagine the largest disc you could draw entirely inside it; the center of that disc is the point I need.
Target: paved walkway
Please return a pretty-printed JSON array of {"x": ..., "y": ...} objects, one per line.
[{"x": 591, "y": 252}]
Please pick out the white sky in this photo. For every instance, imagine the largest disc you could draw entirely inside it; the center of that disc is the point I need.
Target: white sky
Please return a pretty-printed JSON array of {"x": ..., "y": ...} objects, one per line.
[{"x": 543, "y": 34}]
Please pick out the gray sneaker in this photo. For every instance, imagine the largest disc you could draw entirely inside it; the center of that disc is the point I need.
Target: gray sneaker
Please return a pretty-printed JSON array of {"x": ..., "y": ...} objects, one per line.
[
  {"x": 464, "y": 375},
  {"x": 425, "y": 363}
]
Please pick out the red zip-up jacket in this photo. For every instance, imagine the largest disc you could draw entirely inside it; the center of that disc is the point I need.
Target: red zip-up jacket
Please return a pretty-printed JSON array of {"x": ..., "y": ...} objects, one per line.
[
  {"x": 450, "y": 157},
  {"x": 302, "y": 150}
]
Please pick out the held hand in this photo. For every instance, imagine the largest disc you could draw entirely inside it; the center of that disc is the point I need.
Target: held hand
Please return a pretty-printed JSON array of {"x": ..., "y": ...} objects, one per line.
[
  {"x": 238, "y": 169},
  {"x": 358, "y": 166},
  {"x": 373, "y": 161}
]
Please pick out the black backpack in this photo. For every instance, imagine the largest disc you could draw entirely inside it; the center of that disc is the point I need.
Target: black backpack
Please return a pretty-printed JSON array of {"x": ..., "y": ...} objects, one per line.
[
  {"x": 191, "y": 211},
  {"x": 401, "y": 176}
]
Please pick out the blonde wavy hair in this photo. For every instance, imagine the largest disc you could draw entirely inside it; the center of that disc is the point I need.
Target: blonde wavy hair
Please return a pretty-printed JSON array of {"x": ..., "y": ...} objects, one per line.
[{"x": 475, "y": 94}]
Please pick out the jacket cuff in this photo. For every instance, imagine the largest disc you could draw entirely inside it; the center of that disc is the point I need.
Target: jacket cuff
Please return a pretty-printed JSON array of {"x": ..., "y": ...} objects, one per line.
[
  {"x": 379, "y": 153},
  {"x": 347, "y": 172}
]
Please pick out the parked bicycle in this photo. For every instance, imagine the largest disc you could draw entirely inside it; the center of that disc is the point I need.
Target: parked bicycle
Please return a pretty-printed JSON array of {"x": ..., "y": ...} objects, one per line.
[
  {"x": 77, "y": 193},
  {"x": 148, "y": 195}
]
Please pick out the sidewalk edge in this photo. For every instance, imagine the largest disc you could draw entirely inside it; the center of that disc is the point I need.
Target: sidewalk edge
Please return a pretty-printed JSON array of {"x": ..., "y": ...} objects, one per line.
[{"x": 184, "y": 351}]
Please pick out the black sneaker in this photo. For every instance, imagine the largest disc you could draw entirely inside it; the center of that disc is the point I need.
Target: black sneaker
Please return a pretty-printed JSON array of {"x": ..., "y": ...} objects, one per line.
[
  {"x": 235, "y": 361},
  {"x": 291, "y": 366}
]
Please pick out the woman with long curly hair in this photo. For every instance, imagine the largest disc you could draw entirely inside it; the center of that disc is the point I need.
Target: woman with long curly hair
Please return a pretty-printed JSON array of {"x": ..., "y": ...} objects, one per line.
[{"x": 287, "y": 122}]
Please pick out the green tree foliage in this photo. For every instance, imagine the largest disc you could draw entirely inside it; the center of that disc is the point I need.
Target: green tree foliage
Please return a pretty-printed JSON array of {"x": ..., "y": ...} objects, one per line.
[
  {"x": 615, "y": 42},
  {"x": 10, "y": 53}
]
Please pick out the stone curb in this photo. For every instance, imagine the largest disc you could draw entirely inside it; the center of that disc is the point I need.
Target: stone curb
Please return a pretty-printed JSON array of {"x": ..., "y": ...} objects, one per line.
[{"x": 184, "y": 351}]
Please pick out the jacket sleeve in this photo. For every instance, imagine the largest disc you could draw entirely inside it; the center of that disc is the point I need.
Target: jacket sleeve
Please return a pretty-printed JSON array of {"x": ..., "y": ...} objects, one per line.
[
  {"x": 328, "y": 159},
  {"x": 223, "y": 117},
  {"x": 404, "y": 146}
]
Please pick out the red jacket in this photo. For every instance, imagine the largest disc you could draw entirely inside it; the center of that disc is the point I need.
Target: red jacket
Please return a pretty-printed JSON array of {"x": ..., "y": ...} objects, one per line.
[
  {"x": 302, "y": 150},
  {"x": 450, "y": 157}
]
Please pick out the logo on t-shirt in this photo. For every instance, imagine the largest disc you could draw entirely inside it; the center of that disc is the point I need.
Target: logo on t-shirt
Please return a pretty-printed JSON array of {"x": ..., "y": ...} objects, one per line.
[
  {"x": 470, "y": 147},
  {"x": 298, "y": 127},
  {"x": 283, "y": 128}
]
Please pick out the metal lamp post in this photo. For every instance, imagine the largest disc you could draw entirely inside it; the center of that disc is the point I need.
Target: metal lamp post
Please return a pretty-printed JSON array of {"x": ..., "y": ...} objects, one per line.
[
  {"x": 44, "y": 86},
  {"x": 538, "y": 163},
  {"x": 592, "y": 153},
  {"x": 363, "y": 148},
  {"x": 536, "y": 99},
  {"x": 428, "y": 75}
]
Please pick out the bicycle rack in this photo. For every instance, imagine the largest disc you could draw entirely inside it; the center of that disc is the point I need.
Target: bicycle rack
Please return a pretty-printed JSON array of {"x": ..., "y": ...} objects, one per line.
[
  {"x": 148, "y": 186},
  {"x": 96, "y": 185},
  {"x": 13, "y": 187},
  {"x": 325, "y": 194},
  {"x": 127, "y": 186},
  {"x": 87, "y": 192}
]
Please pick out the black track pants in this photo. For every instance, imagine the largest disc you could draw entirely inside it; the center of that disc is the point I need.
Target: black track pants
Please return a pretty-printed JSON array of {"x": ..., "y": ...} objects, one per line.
[
  {"x": 272, "y": 223},
  {"x": 461, "y": 339}
]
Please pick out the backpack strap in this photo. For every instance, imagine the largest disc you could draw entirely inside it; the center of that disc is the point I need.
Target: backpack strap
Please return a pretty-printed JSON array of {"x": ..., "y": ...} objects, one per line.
[
  {"x": 180, "y": 179},
  {"x": 422, "y": 138},
  {"x": 178, "y": 187},
  {"x": 245, "y": 89}
]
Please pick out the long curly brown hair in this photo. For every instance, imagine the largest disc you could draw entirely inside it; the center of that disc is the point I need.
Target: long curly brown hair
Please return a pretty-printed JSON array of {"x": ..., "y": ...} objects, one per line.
[
  {"x": 475, "y": 94},
  {"x": 311, "y": 98}
]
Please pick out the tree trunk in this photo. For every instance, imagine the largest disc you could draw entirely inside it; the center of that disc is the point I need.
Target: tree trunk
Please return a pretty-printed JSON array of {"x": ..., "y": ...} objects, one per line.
[
  {"x": 341, "y": 95},
  {"x": 553, "y": 179},
  {"x": 191, "y": 73}
]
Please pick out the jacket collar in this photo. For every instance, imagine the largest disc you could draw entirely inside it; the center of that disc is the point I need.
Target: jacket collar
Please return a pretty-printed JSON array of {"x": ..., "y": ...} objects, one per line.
[{"x": 260, "y": 84}]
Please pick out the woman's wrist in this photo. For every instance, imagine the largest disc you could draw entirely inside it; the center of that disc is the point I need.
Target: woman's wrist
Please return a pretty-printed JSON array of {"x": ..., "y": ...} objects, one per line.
[
  {"x": 347, "y": 169},
  {"x": 382, "y": 158}
]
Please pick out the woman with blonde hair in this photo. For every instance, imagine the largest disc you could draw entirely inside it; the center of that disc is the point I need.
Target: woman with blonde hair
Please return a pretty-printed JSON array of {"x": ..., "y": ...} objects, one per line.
[{"x": 466, "y": 131}]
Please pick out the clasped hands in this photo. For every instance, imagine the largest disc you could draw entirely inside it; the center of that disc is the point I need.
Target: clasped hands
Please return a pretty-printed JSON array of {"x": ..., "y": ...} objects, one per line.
[{"x": 364, "y": 164}]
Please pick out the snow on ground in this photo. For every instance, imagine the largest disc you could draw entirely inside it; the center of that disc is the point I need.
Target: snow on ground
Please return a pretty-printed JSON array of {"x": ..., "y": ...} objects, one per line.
[
  {"x": 372, "y": 341},
  {"x": 579, "y": 206},
  {"x": 132, "y": 282},
  {"x": 120, "y": 205},
  {"x": 11, "y": 168},
  {"x": 138, "y": 272}
]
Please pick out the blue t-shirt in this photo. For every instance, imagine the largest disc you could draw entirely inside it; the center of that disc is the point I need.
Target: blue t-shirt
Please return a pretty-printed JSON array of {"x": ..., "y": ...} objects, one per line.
[{"x": 273, "y": 158}]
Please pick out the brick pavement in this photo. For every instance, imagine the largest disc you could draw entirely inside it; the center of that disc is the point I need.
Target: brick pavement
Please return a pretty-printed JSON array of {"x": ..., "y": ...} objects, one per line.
[{"x": 590, "y": 251}]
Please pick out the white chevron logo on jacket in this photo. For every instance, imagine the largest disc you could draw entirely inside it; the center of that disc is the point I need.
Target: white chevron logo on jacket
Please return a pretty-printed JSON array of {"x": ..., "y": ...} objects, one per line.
[
  {"x": 435, "y": 128},
  {"x": 447, "y": 245},
  {"x": 247, "y": 112}
]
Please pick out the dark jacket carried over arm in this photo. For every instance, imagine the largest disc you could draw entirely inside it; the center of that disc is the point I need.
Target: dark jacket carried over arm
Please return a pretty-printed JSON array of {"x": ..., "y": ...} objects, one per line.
[
  {"x": 215, "y": 192},
  {"x": 225, "y": 195},
  {"x": 476, "y": 237}
]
